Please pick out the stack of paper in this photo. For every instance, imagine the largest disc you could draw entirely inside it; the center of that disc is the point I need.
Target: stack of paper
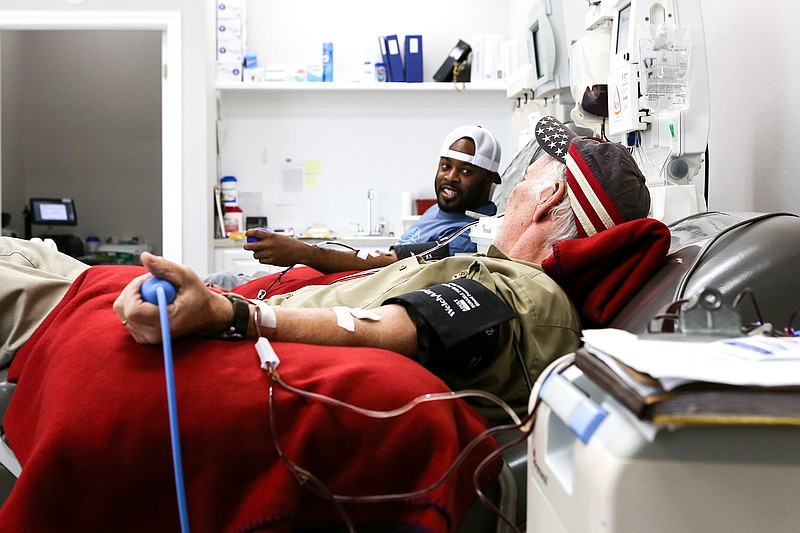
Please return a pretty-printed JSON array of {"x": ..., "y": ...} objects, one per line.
[{"x": 668, "y": 380}]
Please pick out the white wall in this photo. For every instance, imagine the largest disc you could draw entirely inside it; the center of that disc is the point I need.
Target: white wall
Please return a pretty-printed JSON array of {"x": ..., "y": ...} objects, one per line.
[
  {"x": 387, "y": 141},
  {"x": 753, "y": 77},
  {"x": 293, "y": 32}
]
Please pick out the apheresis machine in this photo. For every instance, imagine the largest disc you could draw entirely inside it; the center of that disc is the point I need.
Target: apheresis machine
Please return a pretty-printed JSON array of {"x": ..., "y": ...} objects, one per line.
[{"x": 638, "y": 75}]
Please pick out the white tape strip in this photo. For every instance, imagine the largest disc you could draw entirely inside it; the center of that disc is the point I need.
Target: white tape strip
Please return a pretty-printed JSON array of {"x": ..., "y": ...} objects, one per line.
[
  {"x": 268, "y": 319},
  {"x": 345, "y": 316},
  {"x": 363, "y": 314},
  {"x": 344, "y": 319},
  {"x": 363, "y": 254}
]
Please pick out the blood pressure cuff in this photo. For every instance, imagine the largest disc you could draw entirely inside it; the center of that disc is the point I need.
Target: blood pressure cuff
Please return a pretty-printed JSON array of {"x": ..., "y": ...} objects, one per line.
[
  {"x": 407, "y": 250},
  {"x": 457, "y": 324}
]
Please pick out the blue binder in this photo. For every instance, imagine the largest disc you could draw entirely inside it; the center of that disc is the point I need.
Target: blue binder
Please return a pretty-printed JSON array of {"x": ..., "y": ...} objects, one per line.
[
  {"x": 395, "y": 59},
  {"x": 385, "y": 57},
  {"x": 413, "y": 57}
]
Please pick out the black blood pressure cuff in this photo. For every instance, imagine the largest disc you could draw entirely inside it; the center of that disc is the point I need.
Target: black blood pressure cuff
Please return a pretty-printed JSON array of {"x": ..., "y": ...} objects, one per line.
[
  {"x": 407, "y": 250},
  {"x": 457, "y": 324}
]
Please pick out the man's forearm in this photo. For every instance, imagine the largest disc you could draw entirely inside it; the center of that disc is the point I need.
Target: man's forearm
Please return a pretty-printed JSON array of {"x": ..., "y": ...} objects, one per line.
[
  {"x": 393, "y": 331},
  {"x": 328, "y": 260}
]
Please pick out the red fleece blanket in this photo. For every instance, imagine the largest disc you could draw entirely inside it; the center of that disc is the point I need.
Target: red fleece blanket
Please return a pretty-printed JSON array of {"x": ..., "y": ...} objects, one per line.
[
  {"x": 602, "y": 273},
  {"x": 89, "y": 424}
]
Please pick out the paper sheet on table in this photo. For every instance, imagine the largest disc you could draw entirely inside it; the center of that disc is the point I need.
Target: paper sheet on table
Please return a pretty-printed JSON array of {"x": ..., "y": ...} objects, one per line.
[{"x": 755, "y": 361}]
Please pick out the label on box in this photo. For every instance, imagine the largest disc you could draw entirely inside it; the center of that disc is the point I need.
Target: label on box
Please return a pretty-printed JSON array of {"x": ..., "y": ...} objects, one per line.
[
  {"x": 229, "y": 30},
  {"x": 230, "y": 9},
  {"x": 228, "y": 71}
]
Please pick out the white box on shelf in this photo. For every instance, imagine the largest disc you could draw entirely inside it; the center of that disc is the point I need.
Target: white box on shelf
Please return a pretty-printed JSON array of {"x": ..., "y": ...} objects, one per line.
[
  {"x": 227, "y": 9},
  {"x": 314, "y": 73},
  {"x": 230, "y": 30},
  {"x": 229, "y": 71},
  {"x": 274, "y": 72},
  {"x": 254, "y": 74},
  {"x": 295, "y": 73},
  {"x": 231, "y": 51}
]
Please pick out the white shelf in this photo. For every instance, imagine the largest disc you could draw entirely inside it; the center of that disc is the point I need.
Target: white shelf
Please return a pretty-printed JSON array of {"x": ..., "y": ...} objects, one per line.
[{"x": 356, "y": 86}]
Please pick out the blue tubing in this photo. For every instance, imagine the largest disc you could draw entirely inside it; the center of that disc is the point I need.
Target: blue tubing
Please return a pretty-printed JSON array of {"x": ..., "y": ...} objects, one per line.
[{"x": 165, "y": 293}]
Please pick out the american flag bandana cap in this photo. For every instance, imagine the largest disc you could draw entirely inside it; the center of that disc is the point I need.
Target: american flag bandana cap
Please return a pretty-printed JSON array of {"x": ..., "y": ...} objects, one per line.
[
  {"x": 593, "y": 209},
  {"x": 605, "y": 185},
  {"x": 554, "y": 137},
  {"x": 604, "y": 182}
]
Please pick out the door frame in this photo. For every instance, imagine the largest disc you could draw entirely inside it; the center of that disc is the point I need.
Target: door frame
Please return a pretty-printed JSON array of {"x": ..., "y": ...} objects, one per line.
[{"x": 169, "y": 24}]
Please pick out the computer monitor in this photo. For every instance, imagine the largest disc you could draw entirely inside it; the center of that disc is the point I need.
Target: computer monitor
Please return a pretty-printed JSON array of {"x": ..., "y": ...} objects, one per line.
[{"x": 53, "y": 212}]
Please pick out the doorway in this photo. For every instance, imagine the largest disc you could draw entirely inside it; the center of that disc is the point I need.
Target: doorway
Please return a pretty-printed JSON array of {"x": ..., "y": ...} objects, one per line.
[{"x": 153, "y": 173}]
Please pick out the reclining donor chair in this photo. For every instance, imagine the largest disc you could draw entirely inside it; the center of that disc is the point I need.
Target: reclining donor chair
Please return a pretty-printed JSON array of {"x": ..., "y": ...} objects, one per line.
[
  {"x": 624, "y": 283},
  {"x": 628, "y": 285}
]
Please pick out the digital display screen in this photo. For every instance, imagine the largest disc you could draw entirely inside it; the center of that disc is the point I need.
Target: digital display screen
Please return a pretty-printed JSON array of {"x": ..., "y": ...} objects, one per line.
[
  {"x": 623, "y": 27},
  {"x": 536, "y": 62},
  {"x": 53, "y": 211}
]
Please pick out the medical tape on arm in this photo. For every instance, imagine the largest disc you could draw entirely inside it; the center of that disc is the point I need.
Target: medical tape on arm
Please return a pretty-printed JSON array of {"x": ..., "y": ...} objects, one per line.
[
  {"x": 345, "y": 316},
  {"x": 268, "y": 319},
  {"x": 364, "y": 254}
]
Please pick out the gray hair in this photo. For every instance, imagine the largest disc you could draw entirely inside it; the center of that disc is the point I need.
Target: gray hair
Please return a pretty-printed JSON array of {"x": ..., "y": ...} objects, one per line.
[{"x": 564, "y": 227}]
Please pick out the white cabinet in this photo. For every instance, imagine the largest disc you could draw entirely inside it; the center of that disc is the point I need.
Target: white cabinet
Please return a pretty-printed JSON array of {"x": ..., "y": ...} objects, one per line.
[{"x": 239, "y": 261}]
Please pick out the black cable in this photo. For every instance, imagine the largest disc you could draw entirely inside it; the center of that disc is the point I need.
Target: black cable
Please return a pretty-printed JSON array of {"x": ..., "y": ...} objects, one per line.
[
  {"x": 525, "y": 371},
  {"x": 448, "y": 240}
]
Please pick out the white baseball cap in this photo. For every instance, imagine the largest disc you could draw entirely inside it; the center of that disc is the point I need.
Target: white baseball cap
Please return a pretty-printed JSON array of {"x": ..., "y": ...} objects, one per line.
[{"x": 487, "y": 149}]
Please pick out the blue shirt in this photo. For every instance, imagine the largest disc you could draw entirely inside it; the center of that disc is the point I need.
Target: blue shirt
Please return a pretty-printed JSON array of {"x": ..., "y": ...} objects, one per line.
[{"x": 436, "y": 225}]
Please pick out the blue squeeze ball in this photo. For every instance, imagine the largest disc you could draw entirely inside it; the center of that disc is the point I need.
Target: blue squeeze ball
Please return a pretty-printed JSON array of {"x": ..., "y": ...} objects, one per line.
[{"x": 149, "y": 287}]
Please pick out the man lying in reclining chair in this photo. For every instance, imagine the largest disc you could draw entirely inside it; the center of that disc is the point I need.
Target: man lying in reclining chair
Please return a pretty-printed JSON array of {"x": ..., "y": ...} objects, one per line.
[
  {"x": 88, "y": 418},
  {"x": 490, "y": 323},
  {"x": 474, "y": 321}
]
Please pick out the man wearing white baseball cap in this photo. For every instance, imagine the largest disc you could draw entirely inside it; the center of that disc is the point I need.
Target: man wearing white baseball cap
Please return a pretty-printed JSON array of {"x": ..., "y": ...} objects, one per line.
[
  {"x": 468, "y": 166},
  {"x": 469, "y": 161}
]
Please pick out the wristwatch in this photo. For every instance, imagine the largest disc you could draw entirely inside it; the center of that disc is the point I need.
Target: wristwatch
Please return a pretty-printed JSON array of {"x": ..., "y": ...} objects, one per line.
[{"x": 241, "y": 316}]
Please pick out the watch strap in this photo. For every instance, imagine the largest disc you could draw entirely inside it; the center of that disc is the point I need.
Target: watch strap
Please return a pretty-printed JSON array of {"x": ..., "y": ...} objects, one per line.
[{"x": 241, "y": 317}]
